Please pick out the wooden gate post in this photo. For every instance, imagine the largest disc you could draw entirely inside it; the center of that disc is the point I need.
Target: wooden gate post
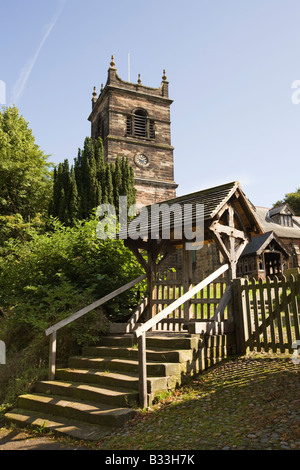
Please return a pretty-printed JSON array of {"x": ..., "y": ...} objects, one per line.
[
  {"x": 52, "y": 356},
  {"x": 151, "y": 275},
  {"x": 142, "y": 371},
  {"x": 239, "y": 315},
  {"x": 186, "y": 280}
]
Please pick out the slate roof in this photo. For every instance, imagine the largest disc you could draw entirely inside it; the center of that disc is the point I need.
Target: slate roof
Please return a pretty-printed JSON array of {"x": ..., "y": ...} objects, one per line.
[
  {"x": 283, "y": 209},
  {"x": 268, "y": 224},
  {"x": 211, "y": 199},
  {"x": 259, "y": 243},
  {"x": 256, "y": 243}
]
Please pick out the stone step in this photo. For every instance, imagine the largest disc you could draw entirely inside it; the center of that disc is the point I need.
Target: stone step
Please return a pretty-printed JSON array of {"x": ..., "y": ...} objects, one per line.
[
  {"x": 127, "y": 340},
  {"x": 154, "y": 340},
  {"x": 183, "y": 341},
  {"x": 58, "y": 425},
  {"x": 87, "y": 412},
  {"x": 111, "y": 379},
  {"x": 83, "y": 391},
  {"x": 126, "y": 365},
  {"x": 93, "y": 396},
  {"x": 164, "y": 355}
]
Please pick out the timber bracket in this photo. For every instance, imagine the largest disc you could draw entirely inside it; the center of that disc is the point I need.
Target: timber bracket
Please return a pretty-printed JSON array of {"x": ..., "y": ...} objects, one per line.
[{"x": 230, "y": 234}]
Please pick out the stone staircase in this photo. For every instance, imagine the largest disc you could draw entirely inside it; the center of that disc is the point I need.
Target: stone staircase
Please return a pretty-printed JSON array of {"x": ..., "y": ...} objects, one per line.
[{"x": 98, "y": 392}]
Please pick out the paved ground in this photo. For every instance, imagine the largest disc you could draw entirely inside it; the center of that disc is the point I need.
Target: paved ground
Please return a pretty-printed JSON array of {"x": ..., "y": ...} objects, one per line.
[{"x": 20, "y": 440}]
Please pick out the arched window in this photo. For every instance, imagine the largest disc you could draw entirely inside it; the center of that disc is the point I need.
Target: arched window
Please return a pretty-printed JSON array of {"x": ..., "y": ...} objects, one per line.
[{"x": 138, "y": 124}]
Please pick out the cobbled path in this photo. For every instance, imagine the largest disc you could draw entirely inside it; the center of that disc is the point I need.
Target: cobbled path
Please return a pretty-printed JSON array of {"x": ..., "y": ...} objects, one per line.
[{"x": 251, "y": 403}]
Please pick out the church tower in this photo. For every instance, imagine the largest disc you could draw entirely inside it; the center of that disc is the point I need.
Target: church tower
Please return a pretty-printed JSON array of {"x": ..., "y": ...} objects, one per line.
[{"x": 134, "y": 121}]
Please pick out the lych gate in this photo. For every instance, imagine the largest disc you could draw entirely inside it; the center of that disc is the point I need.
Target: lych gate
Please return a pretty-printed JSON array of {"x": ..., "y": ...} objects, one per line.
[{"x": 227, "y": 220}]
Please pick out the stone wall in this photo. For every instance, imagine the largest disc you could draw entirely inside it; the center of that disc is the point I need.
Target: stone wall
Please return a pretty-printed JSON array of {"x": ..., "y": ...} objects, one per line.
[{"x": 293, "y": 246}]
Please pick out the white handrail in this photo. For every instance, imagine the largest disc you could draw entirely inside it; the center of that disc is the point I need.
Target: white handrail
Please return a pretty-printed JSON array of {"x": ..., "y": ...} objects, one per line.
[{"x": 166, "y": 311}]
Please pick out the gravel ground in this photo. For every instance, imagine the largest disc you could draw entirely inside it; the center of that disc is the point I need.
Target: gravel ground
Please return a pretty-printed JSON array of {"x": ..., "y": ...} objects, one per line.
[{"x": 249, "y": 403}]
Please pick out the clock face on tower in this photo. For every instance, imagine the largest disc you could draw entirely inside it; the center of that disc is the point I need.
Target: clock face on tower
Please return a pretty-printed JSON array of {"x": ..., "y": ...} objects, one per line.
[{"x": 141, "y": 160}]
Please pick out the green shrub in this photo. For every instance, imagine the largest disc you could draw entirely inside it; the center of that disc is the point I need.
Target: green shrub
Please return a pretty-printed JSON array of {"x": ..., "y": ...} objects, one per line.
[{"x": 52, "y": 276}]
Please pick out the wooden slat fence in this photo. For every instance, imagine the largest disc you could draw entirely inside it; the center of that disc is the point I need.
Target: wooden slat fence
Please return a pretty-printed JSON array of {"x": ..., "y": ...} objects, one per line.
[
  {"x": 202, "y": 306},
  {"x": 267, "y": 313}
]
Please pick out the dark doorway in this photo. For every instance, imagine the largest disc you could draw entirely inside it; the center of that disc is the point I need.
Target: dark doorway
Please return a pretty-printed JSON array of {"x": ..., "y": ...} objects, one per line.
[{"x": 273, "y": 264}]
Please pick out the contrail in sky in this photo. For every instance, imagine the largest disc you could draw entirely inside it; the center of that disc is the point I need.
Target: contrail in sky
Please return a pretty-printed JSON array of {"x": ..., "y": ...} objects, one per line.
[{"x": 27, "y": 69}]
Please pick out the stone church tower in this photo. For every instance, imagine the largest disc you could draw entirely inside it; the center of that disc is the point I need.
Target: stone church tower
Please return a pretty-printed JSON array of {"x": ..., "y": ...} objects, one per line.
[{"x": 134, "y": 121}]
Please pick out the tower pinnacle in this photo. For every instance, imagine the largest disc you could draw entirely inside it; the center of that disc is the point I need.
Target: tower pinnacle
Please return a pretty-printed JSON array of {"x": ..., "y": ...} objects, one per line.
[{"x": 112, "y": 64}]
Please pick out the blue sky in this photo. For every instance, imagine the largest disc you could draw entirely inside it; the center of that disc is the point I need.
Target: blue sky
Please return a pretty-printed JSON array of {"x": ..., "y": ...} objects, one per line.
[{"x": 230, "y": 64}]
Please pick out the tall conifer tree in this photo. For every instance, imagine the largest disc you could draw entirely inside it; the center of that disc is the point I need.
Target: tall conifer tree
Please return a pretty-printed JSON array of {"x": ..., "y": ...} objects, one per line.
[{"x": 90, "y": 182}]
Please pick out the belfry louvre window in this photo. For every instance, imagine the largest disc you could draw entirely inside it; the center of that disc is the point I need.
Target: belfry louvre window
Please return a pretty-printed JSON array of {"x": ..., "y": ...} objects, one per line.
[
  {"x": 129, "y": 125},
  {"x": 139, "y": 125}
]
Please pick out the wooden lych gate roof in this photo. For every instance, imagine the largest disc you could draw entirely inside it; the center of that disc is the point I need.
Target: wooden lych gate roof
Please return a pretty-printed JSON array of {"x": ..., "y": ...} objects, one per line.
[
  {"x": 228, "y": 220},
  {"x": 214, "y": 200}
]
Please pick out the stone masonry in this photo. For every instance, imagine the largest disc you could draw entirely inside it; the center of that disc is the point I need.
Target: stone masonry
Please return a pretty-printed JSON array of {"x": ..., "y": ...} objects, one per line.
[{"x": 134, "y": 121}]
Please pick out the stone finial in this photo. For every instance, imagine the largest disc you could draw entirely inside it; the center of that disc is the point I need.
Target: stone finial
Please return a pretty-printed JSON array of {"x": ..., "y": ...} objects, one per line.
[
  {"x": 112, "y": 64},
  {"x": 164, "y": 77},
  {"x": 139, "y": 79},
  {"x": 101, "y": 88},
  {"x": 94, "y": 95}
]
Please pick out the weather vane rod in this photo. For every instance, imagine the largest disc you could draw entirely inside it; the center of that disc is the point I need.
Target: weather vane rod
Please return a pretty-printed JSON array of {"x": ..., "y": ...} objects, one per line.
[{"x": 129, "y": 66}]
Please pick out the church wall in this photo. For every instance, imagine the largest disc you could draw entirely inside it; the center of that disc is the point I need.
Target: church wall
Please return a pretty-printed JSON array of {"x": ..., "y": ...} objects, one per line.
[
  {"x": 153, "y": 193},
  {"x": 206, "y": 260},
  {"x": 121, "y": 105},
  {"x": 120, "y": 99},
  {"x": 160, "y": 165}
]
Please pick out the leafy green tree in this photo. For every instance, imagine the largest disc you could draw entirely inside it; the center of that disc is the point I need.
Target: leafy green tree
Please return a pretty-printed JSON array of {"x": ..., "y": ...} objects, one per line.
[
  {"x": 74, "y": 254},
  {"x": 15, "y": 227},
  {"x": 293, "y": 200},
  {"x": 25, "y": 173}
]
